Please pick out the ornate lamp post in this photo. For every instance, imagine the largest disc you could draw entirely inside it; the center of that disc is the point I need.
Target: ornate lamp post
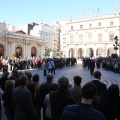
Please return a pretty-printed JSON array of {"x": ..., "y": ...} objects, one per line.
[
  {"x": 45, "y": 50},
  {"x": 116, "y": 45}
]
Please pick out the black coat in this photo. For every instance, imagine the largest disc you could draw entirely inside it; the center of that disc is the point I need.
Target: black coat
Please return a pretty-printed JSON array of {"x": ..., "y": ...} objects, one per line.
[
  {"x": 58, "y": 100},
  {"x": 110, "y": 108},
  {"x": 3, "y": 79},
  {"x": 92, "y": 65},
  {"x": 100, "y": 86},
  {"x": 21, "y": 100}
]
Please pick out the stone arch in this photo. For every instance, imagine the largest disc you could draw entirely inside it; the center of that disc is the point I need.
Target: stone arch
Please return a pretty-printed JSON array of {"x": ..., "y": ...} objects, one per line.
[
  {"x": 80, "y": 52},
  {"x": 71, "y": 52},
  {"x": 33, "y": 51},
  {"x": 100, "y": 52},
  {"x": 110, "y": 51},
  {"x": 90, "y": 52},
  {"x": 18, "y": 51},
  {"x": 1, "y": 50}
]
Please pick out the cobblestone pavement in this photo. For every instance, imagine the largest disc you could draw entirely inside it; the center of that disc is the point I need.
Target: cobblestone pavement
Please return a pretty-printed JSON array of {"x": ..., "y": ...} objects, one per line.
[{"x": 108, "y": 77}]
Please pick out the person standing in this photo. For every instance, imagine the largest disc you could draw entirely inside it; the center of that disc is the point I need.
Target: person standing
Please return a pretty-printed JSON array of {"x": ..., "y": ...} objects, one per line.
[
  {"x": 83, "y": 110},
  {"x": 45, "y": 89},
  {"x": 21, "y": 100},
  {"x": 9, "y": 111},
  {"x": 44, "y": 67},
  {"x": 1, "y": 93},
  {"x": 60, "y": 98},
  {"x": 109, "y": 103},
  {"x": 100, "y": 86},
  {"x": 75, "y": 91},
  {"x": 92, "y": 66},
  {"x": 51, "y": 66},
  {"x": 5, "y": 65}
]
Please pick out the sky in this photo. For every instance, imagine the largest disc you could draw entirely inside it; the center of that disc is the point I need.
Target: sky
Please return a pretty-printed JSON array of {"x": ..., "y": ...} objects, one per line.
[{"x": 20, "y": 12}]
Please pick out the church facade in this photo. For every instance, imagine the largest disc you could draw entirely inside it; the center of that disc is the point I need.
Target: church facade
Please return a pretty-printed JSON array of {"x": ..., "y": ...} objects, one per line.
[{"x": 19, "y": 44}]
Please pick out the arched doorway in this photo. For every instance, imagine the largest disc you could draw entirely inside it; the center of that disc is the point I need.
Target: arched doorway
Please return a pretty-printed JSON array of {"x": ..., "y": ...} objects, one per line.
[
  {"x": 18, "y": 51},
  {"x": 100, "y": 52},
  {"x": 33, "y": 51},
  {"x": 110, "y": 51},
  {"x": 71, "y": 52},
  {"x": 1, "y": 50},
  {"x": 80, "y": 52},
  {"x": 90, "y": 52}
]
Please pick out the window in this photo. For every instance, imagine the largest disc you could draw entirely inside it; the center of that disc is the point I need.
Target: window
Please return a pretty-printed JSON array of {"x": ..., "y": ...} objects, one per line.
[
  {"x": 90, "y": 38},
  {"x": 71, "y": 27},
  {"x": 90, "y": 25},
  {"x": 99, "y": 37},
  {"x": 80, "y": 38},
  {"x": 111, "y": 37},
  {"x": 64, "y": 35},
  {"x": 81, "y": 26},
  {"x": 111, "y": 23},
  {"x": 71, "y": 39},
  {"x": 99, "y": 24},
  {"x": 64, "y": 39}
]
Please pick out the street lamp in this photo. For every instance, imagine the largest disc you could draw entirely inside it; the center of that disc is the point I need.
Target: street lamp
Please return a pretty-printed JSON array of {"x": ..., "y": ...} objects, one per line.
[
  {"x": 116, "y": 45},
  {"x": 45, "y": 48}
]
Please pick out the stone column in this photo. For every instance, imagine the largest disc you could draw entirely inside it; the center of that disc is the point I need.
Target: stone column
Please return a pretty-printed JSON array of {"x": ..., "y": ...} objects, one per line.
[{"x": 94, "y": 52}]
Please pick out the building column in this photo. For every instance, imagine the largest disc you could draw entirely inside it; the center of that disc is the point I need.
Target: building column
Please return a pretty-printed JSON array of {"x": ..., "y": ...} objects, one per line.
[
  {"x": 94, "y": 52},
  {"x": 67, "y": 51},
  {"x": 85, "y": 50}
]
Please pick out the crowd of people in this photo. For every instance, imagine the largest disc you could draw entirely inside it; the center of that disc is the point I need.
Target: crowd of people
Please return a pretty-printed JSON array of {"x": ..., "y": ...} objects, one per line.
[
  {"x": 108, "y": 63},
  {"x": 24, "y": 96},
  {"x": 7, "y": 63}
]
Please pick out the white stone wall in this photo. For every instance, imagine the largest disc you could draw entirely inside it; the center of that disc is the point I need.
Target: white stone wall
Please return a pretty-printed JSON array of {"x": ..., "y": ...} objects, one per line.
[
  {"x": 9, "y": 41},
  {"x": 72, "y": 49}
]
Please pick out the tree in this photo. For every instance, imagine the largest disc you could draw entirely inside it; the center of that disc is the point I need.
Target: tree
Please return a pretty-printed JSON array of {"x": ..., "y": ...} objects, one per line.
[
  {"x": 114, "y": 55},
  {"x": 47, "y": 51}
]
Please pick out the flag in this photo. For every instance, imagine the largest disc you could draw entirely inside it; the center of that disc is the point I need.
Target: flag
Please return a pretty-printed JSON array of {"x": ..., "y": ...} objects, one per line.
[
  {"x": 88, "y": 10},
  {"x": 98, "y": 9},
  {"x": 93, "y": 11},
  {"x": 83, "y": 12}
]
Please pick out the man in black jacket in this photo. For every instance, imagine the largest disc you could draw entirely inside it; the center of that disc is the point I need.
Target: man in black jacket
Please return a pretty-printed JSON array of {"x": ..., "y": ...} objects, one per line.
[
  {"x": 100, "y": 86},
  {"x": 21, "y": 100},
  {"x": 92, "y": 66},
  {"x": 59, "y": 99}
]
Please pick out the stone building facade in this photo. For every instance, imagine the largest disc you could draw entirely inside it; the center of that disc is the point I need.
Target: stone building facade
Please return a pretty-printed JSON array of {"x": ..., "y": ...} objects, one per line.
[
  {"x": 19, "y": 44},
  {"x": 91, "y": 36}
]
